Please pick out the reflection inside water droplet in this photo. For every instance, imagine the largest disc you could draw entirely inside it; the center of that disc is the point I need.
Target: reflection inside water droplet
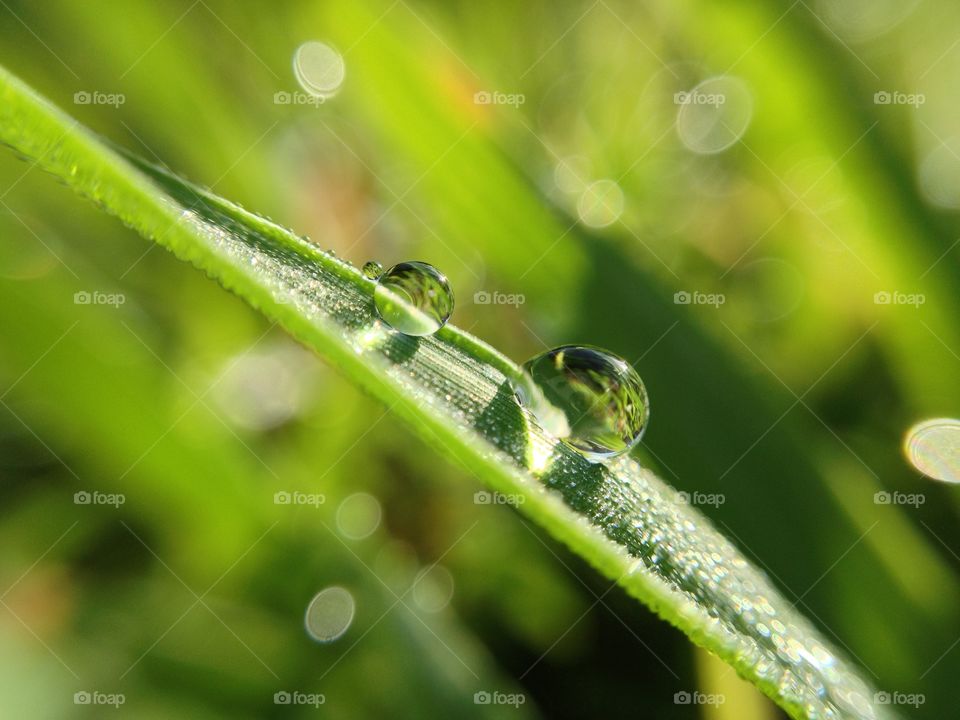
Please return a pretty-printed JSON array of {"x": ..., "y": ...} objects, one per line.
[
  {"x": 933, "y": 448},
  {"x": 414, "y": 298},
  {"x": 372, "y": 270},
  {"x": 329, "y": 614},
  {"x": 590, "y": 398}
]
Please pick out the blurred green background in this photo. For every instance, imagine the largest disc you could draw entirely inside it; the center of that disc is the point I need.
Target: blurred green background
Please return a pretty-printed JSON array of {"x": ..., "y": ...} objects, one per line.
[{"x": 715, "y": 191}]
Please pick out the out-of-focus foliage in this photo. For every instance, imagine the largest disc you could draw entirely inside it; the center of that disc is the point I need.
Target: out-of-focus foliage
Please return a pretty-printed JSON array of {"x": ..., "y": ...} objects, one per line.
[{"x": 790, "y": 399}]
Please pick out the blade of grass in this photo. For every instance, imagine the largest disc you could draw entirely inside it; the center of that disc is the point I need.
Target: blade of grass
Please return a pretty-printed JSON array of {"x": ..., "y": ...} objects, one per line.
[{"x": 456, "y": 392}]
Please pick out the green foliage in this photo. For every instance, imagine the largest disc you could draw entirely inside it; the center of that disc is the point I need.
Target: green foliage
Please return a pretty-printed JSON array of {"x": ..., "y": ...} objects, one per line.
[{"x": 455, "y": 391}]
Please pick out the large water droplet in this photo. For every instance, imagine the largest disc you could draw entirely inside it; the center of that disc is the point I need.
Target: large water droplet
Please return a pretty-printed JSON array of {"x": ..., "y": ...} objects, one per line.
[
  {"x": 933, "y": 448},
  {"x": 590, "y": 398},
  {"x": 329, "y": 614},
  {"x": 414, "y": 298}
]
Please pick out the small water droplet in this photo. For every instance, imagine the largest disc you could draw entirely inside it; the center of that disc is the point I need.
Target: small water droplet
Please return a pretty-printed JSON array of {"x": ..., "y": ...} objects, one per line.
[
  {"x": 414, "y": 298},
  {"x": 372, "y": 269},
  {"x": 588, "y": 397},
  {"x": 329, "y": 614}
]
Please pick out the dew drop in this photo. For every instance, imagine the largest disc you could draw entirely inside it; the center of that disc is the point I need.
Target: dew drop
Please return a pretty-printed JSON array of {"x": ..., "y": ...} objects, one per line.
[
  {"x": 588, "y": 397},
  {"x": 329, "y": 614},
  {"x": 414, "y": 298},
  {"x": 372, "y": 269}
]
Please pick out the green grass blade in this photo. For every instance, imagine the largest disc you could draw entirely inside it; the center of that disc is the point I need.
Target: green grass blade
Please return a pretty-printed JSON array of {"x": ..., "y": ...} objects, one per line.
[{"x": 454, "y": 390}]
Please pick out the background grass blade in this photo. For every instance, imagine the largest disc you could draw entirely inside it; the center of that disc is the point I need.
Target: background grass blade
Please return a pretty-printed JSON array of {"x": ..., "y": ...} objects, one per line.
[{"x": 455, "y": 391}]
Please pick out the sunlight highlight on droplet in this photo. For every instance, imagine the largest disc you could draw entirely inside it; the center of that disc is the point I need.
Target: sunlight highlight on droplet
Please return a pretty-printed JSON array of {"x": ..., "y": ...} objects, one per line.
[
  {"x": 319, "y": 69},
  {"x": 540, "y": 456},
  {"x": 358, "y": 516},
  {"x": 601, "y": 204},
  {"x": 933, "y": 448},
  {"x": 329, "y": 614},
  {"x": 373, "y": 337},
  {"x": 714, "y": 115}
]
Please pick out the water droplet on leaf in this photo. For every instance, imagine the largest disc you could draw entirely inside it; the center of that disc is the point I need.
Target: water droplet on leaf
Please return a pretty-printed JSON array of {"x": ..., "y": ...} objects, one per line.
[
  {"x": 588, "y": 397},
  {"x": 372, "y": 269},
  {"x": 414, "y": 298}
]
